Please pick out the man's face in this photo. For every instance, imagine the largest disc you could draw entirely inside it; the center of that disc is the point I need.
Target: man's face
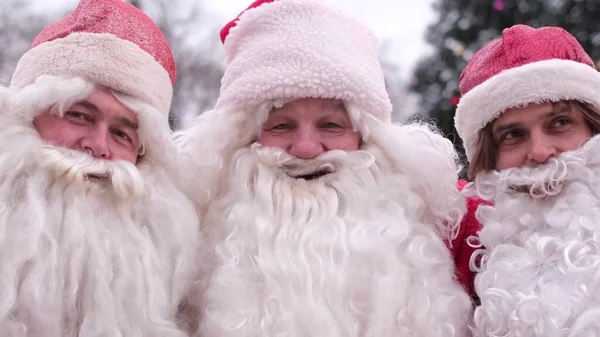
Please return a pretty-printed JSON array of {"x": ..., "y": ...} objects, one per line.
[
  {"x": 99, "y": 124},
  {"x": 529, "y": 136},
  {"x": 308, "y": 127}
]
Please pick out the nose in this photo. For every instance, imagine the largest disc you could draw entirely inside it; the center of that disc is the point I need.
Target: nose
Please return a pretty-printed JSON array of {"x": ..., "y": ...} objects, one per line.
[
  {"x": 542, "y": 149},
  {"x": 307, "y": 144},
  {"x": 96, "y": 142}
]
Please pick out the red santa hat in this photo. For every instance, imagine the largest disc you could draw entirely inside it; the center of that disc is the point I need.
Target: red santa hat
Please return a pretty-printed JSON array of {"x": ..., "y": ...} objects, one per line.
[
  {"x": 109, "y": 43},
  {"x": 525, "y": 65},
  {"x": 290, "y": 49}
]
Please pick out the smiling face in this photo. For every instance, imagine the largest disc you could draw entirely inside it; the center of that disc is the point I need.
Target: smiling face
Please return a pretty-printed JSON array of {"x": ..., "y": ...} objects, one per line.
[
  {"x": 99, "y": 124},
  {"x": 309, "y": 127},
  {"x": 530, "y": 135}
]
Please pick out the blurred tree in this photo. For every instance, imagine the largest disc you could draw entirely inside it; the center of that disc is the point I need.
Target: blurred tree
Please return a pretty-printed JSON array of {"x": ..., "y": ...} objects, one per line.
[
  {"x": 194, "y": 39},
  {"x": 15, "y": 35},
  {"x": 395, "y": 82},
  {"x": 464, "y": 26}
]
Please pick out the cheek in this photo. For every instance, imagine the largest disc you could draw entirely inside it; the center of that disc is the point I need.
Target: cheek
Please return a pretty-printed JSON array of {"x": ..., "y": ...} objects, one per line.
[
  {"x": 577, "y": 139},
  {"x": 119, "y": 153},
  {"x": 515, "y": 157},
  {"x": 56, "y": 131},
  {"x": 347, "y": 142}
]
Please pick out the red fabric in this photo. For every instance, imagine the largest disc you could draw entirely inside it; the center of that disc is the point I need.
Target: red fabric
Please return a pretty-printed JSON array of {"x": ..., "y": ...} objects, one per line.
[
  {"x": 520, "y": 45},
  {"x": 461, "y": 250},
  {"x": 225, "y": 30},
  {"x": 118, "y": 18}
]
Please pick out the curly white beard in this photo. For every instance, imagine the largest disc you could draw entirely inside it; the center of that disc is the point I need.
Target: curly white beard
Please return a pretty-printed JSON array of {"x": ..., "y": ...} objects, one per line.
[
  {"x": 539, "y": 273},
  {"x": 343, "y": 255},
  {"x": 88, "y": 247}
]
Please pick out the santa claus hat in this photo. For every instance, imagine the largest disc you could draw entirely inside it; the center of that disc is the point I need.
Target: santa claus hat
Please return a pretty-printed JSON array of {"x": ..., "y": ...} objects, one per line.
[
  {"x": 290, "y": 49},
  {"x": 525, "y": 65},
  {"x": 112, "y": 44}
]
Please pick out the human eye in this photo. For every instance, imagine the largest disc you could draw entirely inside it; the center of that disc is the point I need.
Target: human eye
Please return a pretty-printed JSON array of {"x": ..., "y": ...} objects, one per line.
[
  {"x": 282, "y": 126},
  {"x": 279, "y": 127},
  {"x": 123, "y": 135},
  {"x": 331, "y": 125},
  {"x": 77, "y": 115},
  {"x": 510, "y": 136},
  {"x": 335, "y": 126},
  {"x": 560, "y": 121}
]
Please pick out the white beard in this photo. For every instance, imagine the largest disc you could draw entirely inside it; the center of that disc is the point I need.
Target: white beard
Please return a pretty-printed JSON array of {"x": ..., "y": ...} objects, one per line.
[
  {"x": 345, "y": 255},
  {"x": 539, "y": 273},
  {"x": 89, "y": 257}
]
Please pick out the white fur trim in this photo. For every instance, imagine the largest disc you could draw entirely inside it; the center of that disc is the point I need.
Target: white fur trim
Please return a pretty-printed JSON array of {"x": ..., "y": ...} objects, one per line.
[
  {"x": 543, "y": 81},
  {"x": 102, "y": 59},
  {"x": 296, "y": 49}
]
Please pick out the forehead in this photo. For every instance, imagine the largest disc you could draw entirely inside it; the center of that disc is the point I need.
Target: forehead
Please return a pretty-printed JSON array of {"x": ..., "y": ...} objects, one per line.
[
  {"x": 311, "y": 107},
  {"x": 104, "y": 102},
  {"x": 531, "y": 113}
]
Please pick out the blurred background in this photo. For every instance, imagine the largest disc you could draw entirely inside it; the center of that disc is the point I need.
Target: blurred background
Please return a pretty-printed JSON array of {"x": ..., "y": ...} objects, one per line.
[{"x": 423, "y": 44}]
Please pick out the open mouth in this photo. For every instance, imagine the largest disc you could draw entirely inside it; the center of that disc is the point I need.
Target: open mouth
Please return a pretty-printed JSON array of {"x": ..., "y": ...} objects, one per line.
[
  {"x": 313, "y": 176},
  {"x": 96, "y": 177},
  {"x": 520, "y": 188},
  {"x": 539, "y": 191}
]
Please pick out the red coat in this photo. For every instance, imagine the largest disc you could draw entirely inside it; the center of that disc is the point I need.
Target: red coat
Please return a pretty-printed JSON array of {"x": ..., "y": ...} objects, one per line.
[{"x": 461, "y": 251}]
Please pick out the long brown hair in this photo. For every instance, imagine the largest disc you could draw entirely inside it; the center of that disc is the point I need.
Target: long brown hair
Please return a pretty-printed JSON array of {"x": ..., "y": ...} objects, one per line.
[{"x": 486, "y": 150}]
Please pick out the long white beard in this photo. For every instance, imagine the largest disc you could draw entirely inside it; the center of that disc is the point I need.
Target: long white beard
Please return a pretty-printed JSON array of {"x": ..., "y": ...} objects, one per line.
[
  {"x": 345, "y": 255},
  {"x": 540, "y": 269},
  {"x": 89, "y": 248}
]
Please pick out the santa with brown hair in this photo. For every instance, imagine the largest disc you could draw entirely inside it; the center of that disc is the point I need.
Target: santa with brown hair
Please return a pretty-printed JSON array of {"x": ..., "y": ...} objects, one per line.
[
  {"x": 96, "y": 238},
  {"x": 529, "y": 118},
  {"x": 324, "y": 218}
]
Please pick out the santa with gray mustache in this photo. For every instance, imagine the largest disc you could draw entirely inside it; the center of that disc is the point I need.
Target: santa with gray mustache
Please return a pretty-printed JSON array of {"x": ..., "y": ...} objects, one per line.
[
  {"x": 324, "y": 218},
  {"x": 96, "y": 238}
]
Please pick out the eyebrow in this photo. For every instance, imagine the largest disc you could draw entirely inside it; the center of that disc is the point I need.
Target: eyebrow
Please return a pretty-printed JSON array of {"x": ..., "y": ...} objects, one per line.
[
  {"x": 128, "y": 123},
  {"x": 556, "y": 110},
  {"x": 124, "y": 121},
  {"x": 503, "y": 127},
  {"x": 88, "y": 105}
]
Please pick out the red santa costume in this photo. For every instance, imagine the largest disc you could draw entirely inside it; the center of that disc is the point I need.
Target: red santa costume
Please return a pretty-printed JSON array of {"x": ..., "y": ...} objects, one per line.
[
  {"x": 539, "y": 269},
  {"x": 357, "y": 252},
  {"x": 90, "y": 247},
  {"x": 465, "y": 244}
]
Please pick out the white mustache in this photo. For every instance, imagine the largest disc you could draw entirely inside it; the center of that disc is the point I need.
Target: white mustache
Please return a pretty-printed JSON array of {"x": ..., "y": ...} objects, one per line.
[
  {"x": 544, "y": 180},
  {"x": 73, "y": 166},
  {"x": 328, "y": 162}
]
